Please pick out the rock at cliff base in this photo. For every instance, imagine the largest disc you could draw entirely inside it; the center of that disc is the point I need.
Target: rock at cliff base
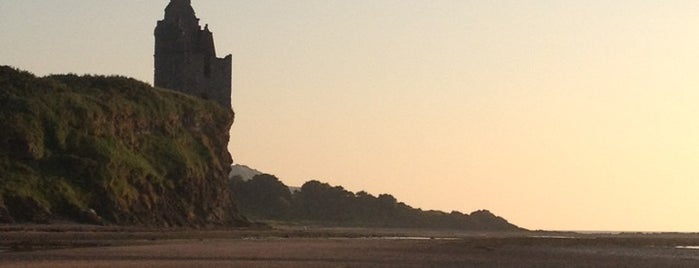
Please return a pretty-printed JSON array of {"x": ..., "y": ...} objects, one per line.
[{"x": 5, "y": 216}]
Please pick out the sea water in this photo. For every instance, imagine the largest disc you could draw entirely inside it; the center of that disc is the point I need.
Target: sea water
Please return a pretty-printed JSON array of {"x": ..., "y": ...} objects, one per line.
[
  {"x": 687, "y": 247},
  {"x": 413, "y": 238}
]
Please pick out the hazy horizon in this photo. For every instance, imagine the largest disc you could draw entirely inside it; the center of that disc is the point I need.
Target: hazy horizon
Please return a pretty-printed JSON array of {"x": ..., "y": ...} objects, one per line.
[{"x": 559, "y": 115}]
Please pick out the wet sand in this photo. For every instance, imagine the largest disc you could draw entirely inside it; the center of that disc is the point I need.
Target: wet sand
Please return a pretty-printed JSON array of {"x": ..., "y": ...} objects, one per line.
[{"x": 338, "y": 248}]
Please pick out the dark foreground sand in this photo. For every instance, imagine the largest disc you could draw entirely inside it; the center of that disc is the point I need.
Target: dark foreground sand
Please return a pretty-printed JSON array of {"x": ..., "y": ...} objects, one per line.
[{"x": 294, "y": 248}]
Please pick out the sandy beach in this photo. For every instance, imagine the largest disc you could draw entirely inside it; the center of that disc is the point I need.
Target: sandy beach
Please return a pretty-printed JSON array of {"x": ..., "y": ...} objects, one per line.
[{"x": 116, "y": 247}]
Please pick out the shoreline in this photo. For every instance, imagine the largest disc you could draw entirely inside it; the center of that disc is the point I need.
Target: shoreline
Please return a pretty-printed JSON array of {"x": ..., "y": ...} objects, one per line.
[{"x": 114, "y": 246}]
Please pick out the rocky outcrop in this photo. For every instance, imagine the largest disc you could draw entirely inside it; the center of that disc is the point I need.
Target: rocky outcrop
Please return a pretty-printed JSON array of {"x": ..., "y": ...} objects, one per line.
[
  {"x": 5, "y": 216},
  {"x": 26, "y": 209},
  {"x": 112, "y": 150}
]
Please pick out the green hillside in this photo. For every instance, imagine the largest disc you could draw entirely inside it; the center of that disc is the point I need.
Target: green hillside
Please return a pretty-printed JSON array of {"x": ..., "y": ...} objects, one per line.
[{"x": 132, "y": 153}]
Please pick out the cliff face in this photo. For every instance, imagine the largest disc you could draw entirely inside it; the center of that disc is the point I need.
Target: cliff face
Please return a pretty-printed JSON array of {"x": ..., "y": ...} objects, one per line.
[{"x": 132, "y": 153}]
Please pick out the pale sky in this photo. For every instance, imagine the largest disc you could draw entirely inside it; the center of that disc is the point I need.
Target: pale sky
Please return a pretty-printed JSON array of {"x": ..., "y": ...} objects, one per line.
[{"x": 562, "y": 115}]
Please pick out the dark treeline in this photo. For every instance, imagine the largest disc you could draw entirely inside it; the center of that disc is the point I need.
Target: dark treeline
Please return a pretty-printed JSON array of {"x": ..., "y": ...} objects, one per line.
[{"x": 266, "y": 198}]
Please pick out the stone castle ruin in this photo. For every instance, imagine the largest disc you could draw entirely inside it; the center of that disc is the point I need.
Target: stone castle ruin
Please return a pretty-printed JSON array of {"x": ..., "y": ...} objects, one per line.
[{"x": 185, "y": 56}]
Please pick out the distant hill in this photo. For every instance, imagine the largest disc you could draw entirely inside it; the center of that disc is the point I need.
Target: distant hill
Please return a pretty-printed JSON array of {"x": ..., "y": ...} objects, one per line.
[
  {"x": 111, "y": 150},
  {"x": 244, "y": 172},
  {"x": 266, "y": 198}
]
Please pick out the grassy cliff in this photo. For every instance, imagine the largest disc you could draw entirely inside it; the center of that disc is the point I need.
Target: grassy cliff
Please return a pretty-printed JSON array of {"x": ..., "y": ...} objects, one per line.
[{"x": 89, "y": 147}]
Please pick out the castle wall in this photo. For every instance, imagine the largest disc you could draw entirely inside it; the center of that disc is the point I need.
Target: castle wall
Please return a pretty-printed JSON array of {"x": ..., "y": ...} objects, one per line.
[{"x": 185, "y": 57}]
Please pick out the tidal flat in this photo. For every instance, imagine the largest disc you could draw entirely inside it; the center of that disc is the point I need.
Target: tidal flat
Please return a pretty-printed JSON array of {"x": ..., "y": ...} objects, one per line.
[{"x": 98, "y": 246}]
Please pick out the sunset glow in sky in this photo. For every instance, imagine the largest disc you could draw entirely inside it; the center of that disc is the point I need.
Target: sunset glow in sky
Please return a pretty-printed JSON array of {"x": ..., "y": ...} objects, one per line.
[{"x": 555, "y": 114}]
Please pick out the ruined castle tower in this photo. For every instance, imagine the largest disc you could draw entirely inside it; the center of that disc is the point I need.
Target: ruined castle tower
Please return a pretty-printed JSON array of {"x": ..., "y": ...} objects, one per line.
[{"x": 185, "y": 57}]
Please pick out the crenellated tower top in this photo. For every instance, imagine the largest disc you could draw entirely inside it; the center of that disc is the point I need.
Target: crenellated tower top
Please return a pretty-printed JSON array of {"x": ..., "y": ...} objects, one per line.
[{"x": 181, "y": 11}]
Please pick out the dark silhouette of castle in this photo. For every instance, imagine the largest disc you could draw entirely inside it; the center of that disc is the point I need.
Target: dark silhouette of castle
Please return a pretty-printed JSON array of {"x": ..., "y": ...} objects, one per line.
[{"x": 185, "y": 56}]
